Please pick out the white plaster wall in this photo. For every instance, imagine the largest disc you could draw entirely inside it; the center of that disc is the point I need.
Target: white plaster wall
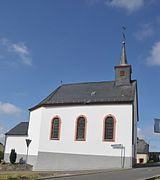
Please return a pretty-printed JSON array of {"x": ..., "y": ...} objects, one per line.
[
  {"x": 94, "y": 145},
  {"x": 34, "y": 130},
  {"x": 145, "y": 158},
  {"x": 16, "y": 142}
]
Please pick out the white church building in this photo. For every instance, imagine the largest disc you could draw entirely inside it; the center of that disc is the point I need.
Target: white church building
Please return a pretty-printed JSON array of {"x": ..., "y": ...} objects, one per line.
[{"x": 82, "y": 126}]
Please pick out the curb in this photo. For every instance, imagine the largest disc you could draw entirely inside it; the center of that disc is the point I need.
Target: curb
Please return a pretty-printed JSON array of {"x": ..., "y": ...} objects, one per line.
[{"x": 81, "y": 174}]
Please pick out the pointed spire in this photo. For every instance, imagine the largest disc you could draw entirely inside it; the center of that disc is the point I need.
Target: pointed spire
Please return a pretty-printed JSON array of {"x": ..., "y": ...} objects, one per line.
[
  {"x": 124, "y": 70},
  {"x": 123, "y": 60}
]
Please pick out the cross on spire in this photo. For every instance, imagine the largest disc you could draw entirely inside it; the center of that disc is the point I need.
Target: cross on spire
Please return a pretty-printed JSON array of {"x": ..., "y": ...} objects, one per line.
[{"x": 123, "y": 60}]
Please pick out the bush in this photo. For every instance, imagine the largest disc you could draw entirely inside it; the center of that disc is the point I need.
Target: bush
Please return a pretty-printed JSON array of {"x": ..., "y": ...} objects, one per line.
[
  {"x": 13, "y": 156},
  {"x": 1, "y": 155},
  {"x": 22, "y": 161}
]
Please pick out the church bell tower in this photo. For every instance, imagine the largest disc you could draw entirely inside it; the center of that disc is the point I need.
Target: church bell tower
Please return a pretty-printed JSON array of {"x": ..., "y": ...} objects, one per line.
[{"x": 123, "y": 70}]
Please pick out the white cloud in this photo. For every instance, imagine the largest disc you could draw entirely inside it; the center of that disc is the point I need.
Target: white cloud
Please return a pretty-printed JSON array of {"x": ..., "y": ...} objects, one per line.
[
  {"x": 129, "y": 5},
  {"x": 145, "y": 133},
  {"x": 19, "y": 49},
  {"x": 140, "y": 134},
  {"x": 23, "y": 52},
  {"x": 154, "y": 56},
  {"x": 2, "y": 134},
  {"x": 9, "y": 109},
  {"x": 145, "y": 31}
]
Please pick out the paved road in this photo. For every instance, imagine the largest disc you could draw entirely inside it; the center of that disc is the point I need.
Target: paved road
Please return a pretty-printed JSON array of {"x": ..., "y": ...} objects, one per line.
[{"x": 130, "y": 174}]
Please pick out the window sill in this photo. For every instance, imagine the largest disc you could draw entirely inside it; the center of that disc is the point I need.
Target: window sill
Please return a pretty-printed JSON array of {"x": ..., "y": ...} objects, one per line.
[
  {"x": 56, "y": 139},
  {"x": 108, "y": 140},
  {"x": 80, "y": 140}
]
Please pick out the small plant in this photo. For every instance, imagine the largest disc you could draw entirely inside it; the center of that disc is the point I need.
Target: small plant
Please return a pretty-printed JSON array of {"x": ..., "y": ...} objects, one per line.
[
  {"x": 13, "y": 156},
  {"x": 157, "y": 178},
  {"x": 22, "y": 161},
  {"x": 3, "y": 162}
]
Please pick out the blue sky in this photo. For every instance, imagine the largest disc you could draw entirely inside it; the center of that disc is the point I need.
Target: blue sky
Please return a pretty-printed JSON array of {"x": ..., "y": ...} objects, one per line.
[{"x": 43, "y": 42}]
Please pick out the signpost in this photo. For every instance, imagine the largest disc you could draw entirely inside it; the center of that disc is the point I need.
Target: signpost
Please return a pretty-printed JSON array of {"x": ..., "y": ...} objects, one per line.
[
  {"x": 117, "y": 146},
  {"x": 120, "y": 146},
  {"x": 157, "y": 125},
  {"x": 28, "y": 141}
]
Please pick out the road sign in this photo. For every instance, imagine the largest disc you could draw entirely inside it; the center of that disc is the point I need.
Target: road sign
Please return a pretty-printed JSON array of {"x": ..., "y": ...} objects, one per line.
[
  {"x": 157, "y": 125},
  {"x": 117, "y": 146},
  {"x": 28, "y": 141}
]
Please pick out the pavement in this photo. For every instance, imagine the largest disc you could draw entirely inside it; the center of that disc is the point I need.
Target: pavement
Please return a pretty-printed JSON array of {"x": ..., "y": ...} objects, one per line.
[
  {"x": 141, "y": 173},
  {"x": 79, "y": 173}
]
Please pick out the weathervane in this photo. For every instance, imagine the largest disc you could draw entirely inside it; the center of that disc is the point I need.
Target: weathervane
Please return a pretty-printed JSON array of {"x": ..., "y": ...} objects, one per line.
[
  {"x": 123, "y": 34},
  {"x": 61, "y": 82}
]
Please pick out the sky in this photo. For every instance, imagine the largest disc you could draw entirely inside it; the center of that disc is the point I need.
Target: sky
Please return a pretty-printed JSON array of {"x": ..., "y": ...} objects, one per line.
[{"x": 44, "y": 42}]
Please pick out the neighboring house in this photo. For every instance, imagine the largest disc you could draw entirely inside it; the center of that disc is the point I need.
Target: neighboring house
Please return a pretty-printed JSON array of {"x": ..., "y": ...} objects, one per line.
[
  {"x": 142, "y": 151},
  {"x": 154, "y": 156},
  {"x": 15, "y": 139},
  {"x": 76, "y": 126}
]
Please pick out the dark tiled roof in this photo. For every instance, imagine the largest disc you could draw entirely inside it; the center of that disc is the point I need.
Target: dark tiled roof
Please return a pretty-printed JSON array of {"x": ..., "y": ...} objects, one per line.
[
  {"x": 20, "y": 129},
  {"x": 90, "y": 93}
]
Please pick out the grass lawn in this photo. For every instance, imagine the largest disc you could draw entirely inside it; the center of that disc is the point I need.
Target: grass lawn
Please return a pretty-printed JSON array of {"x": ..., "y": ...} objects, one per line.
[
  {"x": 22, "y": 172},
  {"x": 25, "y": 175}
]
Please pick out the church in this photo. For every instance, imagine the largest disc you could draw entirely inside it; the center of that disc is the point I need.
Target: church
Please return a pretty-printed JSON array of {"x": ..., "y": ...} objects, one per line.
[{"x": 81, "y": 126}]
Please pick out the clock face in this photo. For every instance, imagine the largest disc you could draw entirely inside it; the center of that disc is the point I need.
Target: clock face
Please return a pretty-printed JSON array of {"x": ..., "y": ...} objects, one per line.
[{"x": 122, "y": 73}]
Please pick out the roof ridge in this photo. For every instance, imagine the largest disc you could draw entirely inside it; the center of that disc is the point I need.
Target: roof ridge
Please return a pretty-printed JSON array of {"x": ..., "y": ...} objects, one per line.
[{"x": 98, "y": 82}]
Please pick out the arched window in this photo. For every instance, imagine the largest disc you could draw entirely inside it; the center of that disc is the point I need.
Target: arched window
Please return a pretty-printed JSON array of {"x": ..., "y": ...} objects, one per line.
[
  {"x": 81, "y": 129},
  {"x": 55, "y": 128},
  {"x": 109, "y": 128}
]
